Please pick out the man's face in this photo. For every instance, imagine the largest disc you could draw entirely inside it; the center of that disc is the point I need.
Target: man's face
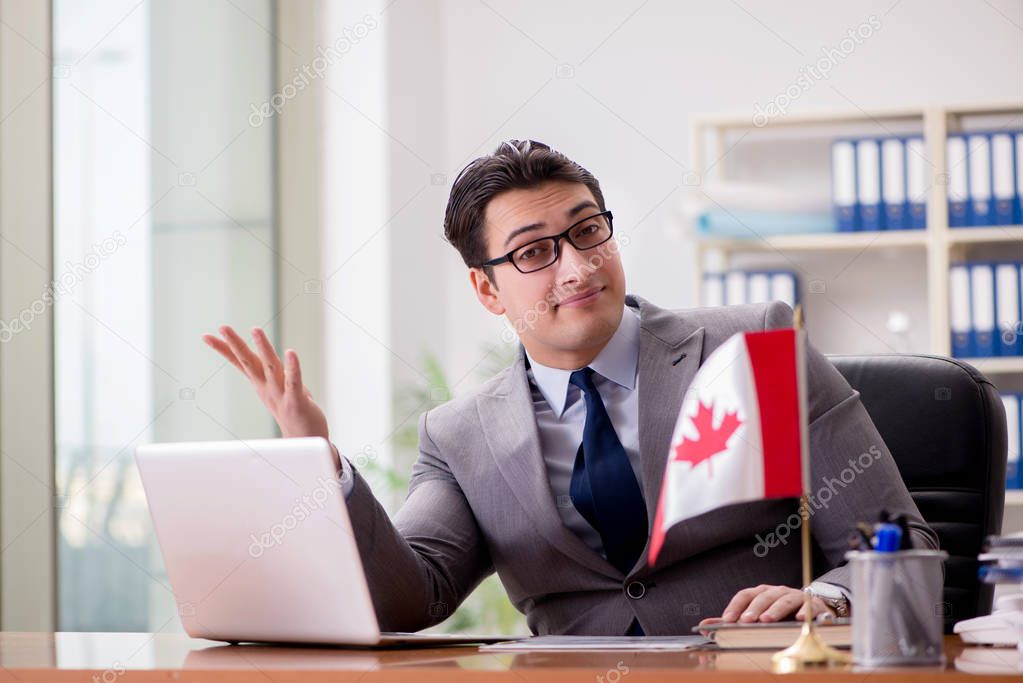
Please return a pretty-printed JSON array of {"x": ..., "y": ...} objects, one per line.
[{"x": 565, "y": 313}]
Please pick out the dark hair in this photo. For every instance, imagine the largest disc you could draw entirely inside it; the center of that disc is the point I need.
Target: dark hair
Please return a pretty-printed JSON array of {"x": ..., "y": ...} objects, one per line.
[{"x": 514, "y": 165}]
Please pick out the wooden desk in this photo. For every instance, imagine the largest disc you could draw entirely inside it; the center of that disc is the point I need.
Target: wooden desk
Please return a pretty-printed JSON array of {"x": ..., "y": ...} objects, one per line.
[{"x": 130, "y": 657}]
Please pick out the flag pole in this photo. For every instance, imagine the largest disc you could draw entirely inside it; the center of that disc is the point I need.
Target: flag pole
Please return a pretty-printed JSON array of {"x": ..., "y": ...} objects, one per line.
[{"x": 809, "y": 648}]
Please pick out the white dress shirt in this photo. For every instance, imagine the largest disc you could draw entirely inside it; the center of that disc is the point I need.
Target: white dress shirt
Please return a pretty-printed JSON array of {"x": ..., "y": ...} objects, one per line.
[{"x": 561, "y": 414}]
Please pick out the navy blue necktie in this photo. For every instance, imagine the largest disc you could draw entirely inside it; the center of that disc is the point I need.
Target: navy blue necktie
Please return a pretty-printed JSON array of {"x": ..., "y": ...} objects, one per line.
[{"x": 604, "y": 488}]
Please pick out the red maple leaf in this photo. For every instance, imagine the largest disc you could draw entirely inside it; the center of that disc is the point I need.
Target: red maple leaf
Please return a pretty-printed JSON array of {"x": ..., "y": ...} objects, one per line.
[{"x": 710, "y": 441}]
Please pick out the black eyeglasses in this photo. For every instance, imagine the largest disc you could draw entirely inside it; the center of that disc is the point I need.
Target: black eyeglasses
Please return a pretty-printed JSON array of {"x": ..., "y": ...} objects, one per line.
[{"x": 588, "y": 233}]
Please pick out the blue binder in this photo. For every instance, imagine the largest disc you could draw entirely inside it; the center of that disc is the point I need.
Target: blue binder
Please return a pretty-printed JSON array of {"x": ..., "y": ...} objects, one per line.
[
  {"x": 1007, "y": 311},
  {"x": 959, "y": 309},
  {"x": 916, "y": 183},
  {"x": 958, "y": 181},
  {"x": 868, "y": 184},
  {"x": 843, "y": 185},
  {"x": 1018, "y": 213},
  {"x": 1003, "y": 179},
  {"x": 982, "y": 309},
  {"x": 893, "y": 187},
  {"x": 1014, "y": 430},
  {"x": 981, "y": 211}
]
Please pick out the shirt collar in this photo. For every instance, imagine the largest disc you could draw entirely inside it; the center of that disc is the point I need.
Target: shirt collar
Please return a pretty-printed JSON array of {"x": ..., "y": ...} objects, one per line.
[{"x": 617, "y": 361}]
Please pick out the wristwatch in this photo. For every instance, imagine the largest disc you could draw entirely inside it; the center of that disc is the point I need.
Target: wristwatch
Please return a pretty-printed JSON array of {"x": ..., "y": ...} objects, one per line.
[{"x": 832, "y": 597}]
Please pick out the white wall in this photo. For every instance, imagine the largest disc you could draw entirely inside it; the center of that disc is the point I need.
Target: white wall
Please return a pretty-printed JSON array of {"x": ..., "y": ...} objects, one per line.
[
  {"x": 613, "y": 84},
  {"x": 637, "y": 71}
]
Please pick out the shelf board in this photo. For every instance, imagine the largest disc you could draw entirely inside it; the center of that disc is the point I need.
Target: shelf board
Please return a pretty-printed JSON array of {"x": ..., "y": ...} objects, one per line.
[
  {"x": 998, "y": 233},
  {"x": 827, "y": 241},
  {"x": 1014, "y": 497},
  {"x": 998, "y": 365},
  {"x": 731, "y": 121},
  {"x": 827, "y": 117},
  {"x": 973, "y": 109}
]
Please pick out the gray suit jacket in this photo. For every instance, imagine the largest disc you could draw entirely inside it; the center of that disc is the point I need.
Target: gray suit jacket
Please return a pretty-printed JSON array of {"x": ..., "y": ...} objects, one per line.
[{"x": 480, "y": 501}]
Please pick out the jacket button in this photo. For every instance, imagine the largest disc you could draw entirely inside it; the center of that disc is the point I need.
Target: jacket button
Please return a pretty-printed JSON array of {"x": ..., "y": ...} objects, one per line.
[{"x": 635, "y": 590}]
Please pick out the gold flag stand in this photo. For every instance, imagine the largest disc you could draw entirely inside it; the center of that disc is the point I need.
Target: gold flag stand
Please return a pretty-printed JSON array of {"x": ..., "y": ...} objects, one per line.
[{"x": 809, "y": 650}]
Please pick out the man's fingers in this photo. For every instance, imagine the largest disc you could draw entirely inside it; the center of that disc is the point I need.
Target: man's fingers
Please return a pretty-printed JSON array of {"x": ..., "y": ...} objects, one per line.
[
  {"x": 218, "y": 345},
  {"x": 738, "y": 604},
  {"x": 292, "y": 372},
  {"x": 783, "y": 607},
  {"x": 271, "y": 363},
  {"x": 709, "y": 621},
  {"x": 253, "y": 367},
  {"x": 760, "y": 603}
]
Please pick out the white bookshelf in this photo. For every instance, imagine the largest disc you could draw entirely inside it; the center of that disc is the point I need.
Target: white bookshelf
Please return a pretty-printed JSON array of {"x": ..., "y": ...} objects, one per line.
[
  {"x": 1009, "y": 365},
  {"x": 835, "y": 241},
  {"x": 938, "y": 244}
]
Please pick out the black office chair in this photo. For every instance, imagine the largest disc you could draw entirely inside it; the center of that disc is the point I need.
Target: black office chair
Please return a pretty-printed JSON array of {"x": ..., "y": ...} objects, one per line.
[{"x": 944, "y": 423}]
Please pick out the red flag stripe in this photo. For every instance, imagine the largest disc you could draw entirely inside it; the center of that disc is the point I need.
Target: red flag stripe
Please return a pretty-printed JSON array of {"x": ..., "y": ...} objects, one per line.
[{"x": 773, "y": 361}]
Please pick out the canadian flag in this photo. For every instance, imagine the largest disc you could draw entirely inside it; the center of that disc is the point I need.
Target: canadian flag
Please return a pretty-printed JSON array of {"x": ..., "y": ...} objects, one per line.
[{"x": 741, "y": 433}]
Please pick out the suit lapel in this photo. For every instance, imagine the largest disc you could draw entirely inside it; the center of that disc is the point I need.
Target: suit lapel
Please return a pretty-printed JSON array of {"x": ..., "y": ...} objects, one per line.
[
  {"x": 509, "y": 426},
  {"x": 669, "y": 356}
]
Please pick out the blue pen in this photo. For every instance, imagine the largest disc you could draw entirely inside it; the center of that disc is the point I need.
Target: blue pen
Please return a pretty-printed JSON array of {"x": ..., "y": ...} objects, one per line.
[{"x": 887, "y": 537}]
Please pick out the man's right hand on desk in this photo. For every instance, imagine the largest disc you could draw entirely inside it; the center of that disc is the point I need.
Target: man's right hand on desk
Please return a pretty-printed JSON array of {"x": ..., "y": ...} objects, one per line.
[{"x": 279, "y": 385}]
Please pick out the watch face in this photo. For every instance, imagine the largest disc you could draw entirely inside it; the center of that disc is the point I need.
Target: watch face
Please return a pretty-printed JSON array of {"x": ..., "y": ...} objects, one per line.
[{"x": 840, "y": 606}]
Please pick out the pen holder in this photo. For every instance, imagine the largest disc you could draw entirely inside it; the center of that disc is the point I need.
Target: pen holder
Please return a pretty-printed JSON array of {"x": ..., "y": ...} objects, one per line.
[{"x": 897, "y": 607}]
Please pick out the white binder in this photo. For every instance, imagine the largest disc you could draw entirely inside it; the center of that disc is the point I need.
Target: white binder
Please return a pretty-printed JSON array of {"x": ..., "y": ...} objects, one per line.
[
  {"x": 1019, "y": 177},
  {"x": 982, "y": 308},
  {"x": 843, "y": 184},
  {"x": 714, "y": 289},
  {"x": 759, "y": 288},
  {"x": 916, "y": 182},
  {"x": 1012, "y": 424},
  {"x": 980, "y": 179},
  {"x": 1007, "y": 307},
  {"x": 893, "y": 183},
  {"x": 958, "y": 190},
  {"x": 959, "y": 309},
  {"x": 783, "y": 288},
  {"x": 735, "y": 287},
  {"x": 1002, "y": 178},
  {"x": 868, "y": 181}
]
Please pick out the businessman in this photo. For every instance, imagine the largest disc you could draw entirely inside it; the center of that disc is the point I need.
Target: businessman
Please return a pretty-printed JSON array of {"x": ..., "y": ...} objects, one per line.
[{"x": 549, "y": 472}]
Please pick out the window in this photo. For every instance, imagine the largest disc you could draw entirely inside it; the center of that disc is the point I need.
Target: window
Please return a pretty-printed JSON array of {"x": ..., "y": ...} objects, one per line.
[{"x": 164, "y": 228}]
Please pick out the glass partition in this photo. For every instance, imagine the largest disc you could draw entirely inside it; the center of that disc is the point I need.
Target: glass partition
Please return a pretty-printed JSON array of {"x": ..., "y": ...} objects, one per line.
[{"x": 164, "y": 228}]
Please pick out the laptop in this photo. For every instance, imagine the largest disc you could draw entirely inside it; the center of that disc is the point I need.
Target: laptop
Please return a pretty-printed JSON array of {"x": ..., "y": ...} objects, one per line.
[{"x": 258, "y": 546}]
